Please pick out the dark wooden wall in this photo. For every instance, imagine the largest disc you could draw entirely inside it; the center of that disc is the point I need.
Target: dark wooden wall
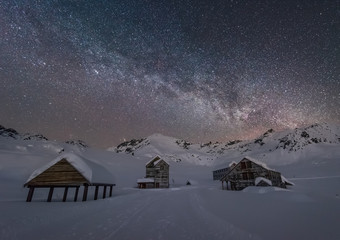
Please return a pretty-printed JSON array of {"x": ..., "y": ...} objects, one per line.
[
  {"x": 246, "y": 171},
  {"x": 60, "y": 173},
  {"x": 160, "y": 172}
]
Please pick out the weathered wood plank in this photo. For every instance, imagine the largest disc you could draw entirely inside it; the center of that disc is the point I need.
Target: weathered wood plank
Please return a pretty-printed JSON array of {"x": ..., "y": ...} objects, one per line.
[{"x": 61, "y": 172}]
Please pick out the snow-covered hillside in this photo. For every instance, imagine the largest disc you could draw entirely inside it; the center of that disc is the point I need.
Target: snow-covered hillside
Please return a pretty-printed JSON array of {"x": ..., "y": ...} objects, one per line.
[
  {"x": 289, "y": 145},
  {"x": 308, "y": 210}
]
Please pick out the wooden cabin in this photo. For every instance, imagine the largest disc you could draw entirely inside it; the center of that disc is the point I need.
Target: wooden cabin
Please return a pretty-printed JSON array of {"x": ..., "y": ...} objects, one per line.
[
  {"x": 70, "y": 171},
  {"x": 157, "y": 174},
  {"x": 250, "y": 172}
]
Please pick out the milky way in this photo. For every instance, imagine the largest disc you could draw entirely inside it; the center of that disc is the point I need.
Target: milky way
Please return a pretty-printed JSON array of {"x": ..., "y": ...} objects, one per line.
[{"x": 105, "y": 71}]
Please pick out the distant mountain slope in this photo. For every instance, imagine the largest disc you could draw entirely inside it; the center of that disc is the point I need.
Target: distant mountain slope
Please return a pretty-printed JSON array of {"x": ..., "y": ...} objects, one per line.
[
  {"x": 318, "y": 141},
  {"x": 171, "y": 149},
  {"x": 266, "y": 147},
  {"x": 14, "y": 134}
]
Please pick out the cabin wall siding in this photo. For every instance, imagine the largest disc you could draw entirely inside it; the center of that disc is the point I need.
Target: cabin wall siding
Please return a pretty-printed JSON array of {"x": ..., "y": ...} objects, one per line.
[
  {"x": 245, "y": 173},
  {"x": 159, "y": 172},
  {"x": 60, "y": 173}
]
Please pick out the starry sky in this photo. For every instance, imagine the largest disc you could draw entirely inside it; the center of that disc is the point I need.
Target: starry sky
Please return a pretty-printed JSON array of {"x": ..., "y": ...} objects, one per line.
[{"x": 200, "y": 70}]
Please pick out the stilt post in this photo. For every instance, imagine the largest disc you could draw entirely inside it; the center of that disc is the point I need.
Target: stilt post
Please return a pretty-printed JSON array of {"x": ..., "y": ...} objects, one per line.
[
  {"x": 50, "y": 193},
  {"x": 30, "y": 194},
  {"x": 104, "y": 192},
  {"x": 76, "y": 194},
  {"x": 85, "y": 192},
  {"x": 96, "y": 193},
  {"x": 65, "y": 194},
  {"x": 111, "y": 191}
]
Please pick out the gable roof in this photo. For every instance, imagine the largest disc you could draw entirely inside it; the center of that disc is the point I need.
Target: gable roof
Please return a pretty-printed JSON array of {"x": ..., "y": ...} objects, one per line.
[
  {"x": 258, "y": 162},
  {"x": 91, "y": 171},
  {"x": 156, "y": 160},
  {"x": 250, "y": 159}
]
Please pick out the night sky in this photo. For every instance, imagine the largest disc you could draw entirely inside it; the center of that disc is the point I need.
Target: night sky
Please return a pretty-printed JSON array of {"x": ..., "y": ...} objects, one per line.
[{"x": 105, "y": 71}]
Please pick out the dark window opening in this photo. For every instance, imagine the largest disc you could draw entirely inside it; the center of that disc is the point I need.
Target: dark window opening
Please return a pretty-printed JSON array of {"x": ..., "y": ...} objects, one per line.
[{"x": 243, "y": 165}]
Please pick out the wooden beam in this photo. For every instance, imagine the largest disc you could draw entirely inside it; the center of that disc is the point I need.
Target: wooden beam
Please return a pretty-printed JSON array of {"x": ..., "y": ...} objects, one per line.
[
  {"x": 104, "y": 192},
  {"x": 50, "y": 193},
  {"x": 65, "y": 194},
  {"x": 85, "y": 193},
  {"x": 76, "y": 194},
  {"x": 30, "y": 194},
  {"x": 96, "y": 193},
  {"x": 110, "y": 191}
]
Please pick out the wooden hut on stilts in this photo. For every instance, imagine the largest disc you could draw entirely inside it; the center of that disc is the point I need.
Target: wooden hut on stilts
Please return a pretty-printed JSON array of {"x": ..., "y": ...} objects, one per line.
[{"x": 70, "y": 171}]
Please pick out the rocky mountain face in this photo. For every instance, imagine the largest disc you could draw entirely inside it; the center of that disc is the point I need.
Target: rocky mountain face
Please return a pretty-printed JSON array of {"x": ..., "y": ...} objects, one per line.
[
  {"x": 12, "y": 133},
  {"x": 78, "y": 143},
  {"x": 131, "y": 146},
  {"x": 8, "y": 132}
]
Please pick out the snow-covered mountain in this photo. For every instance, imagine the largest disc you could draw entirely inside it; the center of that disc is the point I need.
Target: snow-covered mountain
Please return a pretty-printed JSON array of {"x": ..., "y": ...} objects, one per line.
[
  {"x": 288, "y": 144},
  {"x": 14, "y": 134},
  {"x": 169, "y": 148},
  {"x": 274, "y": 148}
]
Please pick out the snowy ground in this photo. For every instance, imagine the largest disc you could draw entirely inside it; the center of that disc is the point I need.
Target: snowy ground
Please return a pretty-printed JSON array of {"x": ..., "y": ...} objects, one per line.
[{"x": 308, "y": 210}]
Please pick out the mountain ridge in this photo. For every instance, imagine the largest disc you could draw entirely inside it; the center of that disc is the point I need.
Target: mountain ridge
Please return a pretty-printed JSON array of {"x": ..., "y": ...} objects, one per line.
[{"x": 269, "y": 143}]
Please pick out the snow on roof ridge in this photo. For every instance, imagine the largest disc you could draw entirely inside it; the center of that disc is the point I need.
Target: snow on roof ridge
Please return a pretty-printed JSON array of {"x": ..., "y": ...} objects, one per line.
[
  {"x": 283, "y": 179},
  {"x": 232, "y": 163},
  {"x": 157, "y": 161},
  {"x": 153, "y": 159},
  {"x": 75, "y": 160},
  {"x": 262, "y": 164}
]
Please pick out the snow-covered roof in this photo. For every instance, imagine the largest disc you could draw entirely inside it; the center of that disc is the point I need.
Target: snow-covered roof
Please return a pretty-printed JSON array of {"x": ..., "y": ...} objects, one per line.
[
  {"x": 73, "y": 159},
  {"x": 259, "y": 179},
  {"x": 90, "y": 170},
  {"x": 146, "y": 180},
  {"x": 250, "y": 159},
  {"x": 232, "y": 163},
  {"x": 152, "y": 160},
  {"x": 284, "y": 180},
  {"x": 258, "y": 162},
  {"x": 155, "y": 162}
]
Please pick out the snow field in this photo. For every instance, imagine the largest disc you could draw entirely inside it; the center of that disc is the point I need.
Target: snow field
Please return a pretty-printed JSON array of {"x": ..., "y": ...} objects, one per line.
[{"x": 308, "y": 210}]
